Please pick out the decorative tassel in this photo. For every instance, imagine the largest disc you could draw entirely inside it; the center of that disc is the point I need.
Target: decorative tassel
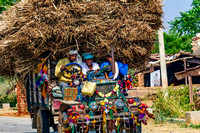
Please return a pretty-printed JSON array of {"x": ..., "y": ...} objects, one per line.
[
  {"x": 87, "y": 129},
  {"x": 118, "y": 124},
  {"x": 104, "y": 123},
  {"x": 87, "y": 117},
  {"x": 44, "y": 92},
  {"x": 93, "y": 125}
]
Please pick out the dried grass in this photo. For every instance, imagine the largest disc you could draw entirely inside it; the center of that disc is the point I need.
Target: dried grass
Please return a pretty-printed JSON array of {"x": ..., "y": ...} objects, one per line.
[{"x": 31, "y": 30}]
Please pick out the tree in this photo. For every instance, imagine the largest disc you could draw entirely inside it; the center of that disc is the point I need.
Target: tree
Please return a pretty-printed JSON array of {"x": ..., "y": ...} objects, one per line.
[
  {"x": 182, "y": 30},
  {"x": 188, "y": 23},
  {"x": 173, "y": 43},
  {"x": 4, "y": 4}
]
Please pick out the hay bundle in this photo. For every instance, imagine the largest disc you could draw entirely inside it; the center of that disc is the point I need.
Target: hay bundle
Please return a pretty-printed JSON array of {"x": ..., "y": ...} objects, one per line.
[{"x": 32, "y": 30}]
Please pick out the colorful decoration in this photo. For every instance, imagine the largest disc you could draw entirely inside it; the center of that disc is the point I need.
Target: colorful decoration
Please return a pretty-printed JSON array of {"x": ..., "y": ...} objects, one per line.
[
  {"x": 142, "y": 112},
  {"x": 104, "y": 122},
  {"x": 71, "y": 120},
  {"x": 117, "y": 124},
  {"x": 79, "y": 96},
  {"x": 40, "y": 66},
  {"x": 128, "y": 82},
  {"x": 111, "y": 122},
  {"x": 102, "y": 103},
  {"x": 134, "y": 120},
  {"x": 87, "y": 118},
  {"x": 130, "y": 101},
  {"x": 125, "y": 84},
  {"x": 108, "y": 94},
  {"x": 93, "y": 125},
  {"x": 42, "y": 79},
  {"x": 81, "y": 106}
]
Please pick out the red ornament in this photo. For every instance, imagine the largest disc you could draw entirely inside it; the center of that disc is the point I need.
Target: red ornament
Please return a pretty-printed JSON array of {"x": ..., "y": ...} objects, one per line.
[
  {"x": 130, "y": 101},
  {"x": 81, "y": 106},
  {"x": 74, "y": 107}
]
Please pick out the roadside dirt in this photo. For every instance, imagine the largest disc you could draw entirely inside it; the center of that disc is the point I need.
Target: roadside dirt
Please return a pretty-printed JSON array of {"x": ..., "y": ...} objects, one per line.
[{"x": 151, "y": 127}]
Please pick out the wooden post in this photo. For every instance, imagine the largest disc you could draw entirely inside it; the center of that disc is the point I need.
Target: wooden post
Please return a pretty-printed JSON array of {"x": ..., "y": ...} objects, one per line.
[
  {"x": 140, "y": 80},
  {"x": 191, "y": 89},
  {"x": 162, "y": 59},
  {"x": 184, "y": 70}
]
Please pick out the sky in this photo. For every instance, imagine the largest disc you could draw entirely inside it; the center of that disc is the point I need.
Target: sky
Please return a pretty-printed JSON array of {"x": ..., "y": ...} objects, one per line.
[{"x": 172, "y": 8}]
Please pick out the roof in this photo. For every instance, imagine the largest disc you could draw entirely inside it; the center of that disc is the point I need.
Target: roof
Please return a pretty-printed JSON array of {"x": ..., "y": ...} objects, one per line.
[
  {"x": 194, "y": 71},
  {"x": 154, "y": 59}
]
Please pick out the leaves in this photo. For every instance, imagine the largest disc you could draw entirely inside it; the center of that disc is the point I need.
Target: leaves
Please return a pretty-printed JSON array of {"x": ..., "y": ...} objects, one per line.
[
  {"x": 188, "y": 23},
  {"x": 182, "y": 30},
  {"x": 173, "y": 102},
  {"x": 173, "y": 43},
  {"x": 4, "y": 4}
]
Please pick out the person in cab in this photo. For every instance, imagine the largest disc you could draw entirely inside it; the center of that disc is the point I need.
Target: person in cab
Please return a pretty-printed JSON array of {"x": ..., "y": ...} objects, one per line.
[
  {"x": 88, "y": 64},
  {"x": 120, "y": 69},
  {"x": 72, "y": 57}
]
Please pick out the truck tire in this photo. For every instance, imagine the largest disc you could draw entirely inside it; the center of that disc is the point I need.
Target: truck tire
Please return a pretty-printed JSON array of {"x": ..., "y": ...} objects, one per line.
[
  {"x": 34, "y": 119},
  {"x": 42, "y": 121}
]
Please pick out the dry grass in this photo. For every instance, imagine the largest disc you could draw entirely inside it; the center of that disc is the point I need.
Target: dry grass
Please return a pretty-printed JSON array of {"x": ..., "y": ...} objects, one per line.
[{"x": 31, "y": 30}]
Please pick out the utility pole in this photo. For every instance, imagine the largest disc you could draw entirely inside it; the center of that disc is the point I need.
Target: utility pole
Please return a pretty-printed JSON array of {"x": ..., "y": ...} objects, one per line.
[{"x": 162, "y": 59}]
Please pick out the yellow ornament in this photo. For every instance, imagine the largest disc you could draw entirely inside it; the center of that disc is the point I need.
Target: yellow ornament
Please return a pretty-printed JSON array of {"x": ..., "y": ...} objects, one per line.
[
  {"x": 102, "y": 103},
  {"x": 106, "y": 100}
]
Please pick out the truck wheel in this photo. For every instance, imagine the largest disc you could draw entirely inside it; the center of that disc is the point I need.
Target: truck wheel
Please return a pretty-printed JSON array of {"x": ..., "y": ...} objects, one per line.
[
  {"x": 42, "y": 121},
  {"x": 34, "y": 119},
  {"x": 62, "y": 116}
]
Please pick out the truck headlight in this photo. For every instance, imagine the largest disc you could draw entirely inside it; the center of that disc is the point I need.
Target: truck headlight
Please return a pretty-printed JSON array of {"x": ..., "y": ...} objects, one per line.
[
  {"x": 119, "y": 103},
  {"x": 93, "y": 105}
]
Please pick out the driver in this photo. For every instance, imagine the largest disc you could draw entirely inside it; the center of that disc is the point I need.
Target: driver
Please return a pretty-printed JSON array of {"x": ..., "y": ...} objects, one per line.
[
  {"x": 88, "y": 65},
  {"x": 73, "y": 57},
  {"x": 119, "y": 67}
]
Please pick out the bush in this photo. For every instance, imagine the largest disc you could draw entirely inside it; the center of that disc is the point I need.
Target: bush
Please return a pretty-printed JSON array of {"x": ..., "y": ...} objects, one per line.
[
  {"x": 173, "y": 102},
  {"x": 11, "y": 98}
]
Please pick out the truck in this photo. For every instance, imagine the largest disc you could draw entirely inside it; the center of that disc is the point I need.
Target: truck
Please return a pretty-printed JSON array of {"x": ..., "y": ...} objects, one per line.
[{"x": 93, "y": 103}]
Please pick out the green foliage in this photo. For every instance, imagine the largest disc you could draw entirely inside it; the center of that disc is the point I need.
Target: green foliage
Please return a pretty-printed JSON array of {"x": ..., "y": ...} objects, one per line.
[
  {"x": 182, "y": 30},
  {"x": 132, "y": 72},
  {"x": 11, "y": 98},
  {"x": 4, "y": 4},
  {"x": 173, "y": 43},
  {"x": 191, "y": 126},
  {"x": 172, "y": 102},
  {"x": 188, "y": 23}
]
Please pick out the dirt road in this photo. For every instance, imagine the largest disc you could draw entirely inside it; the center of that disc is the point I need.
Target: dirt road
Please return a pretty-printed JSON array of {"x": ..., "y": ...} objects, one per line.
[
  {"x": 16, "y": 125},
  {"x": 166, "y": 128},
  {"x": 23, "y": 125}
]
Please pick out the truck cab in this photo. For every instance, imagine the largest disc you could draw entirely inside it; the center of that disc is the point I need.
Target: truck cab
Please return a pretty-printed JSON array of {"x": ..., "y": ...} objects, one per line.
[{"x": 91, "y": 103}]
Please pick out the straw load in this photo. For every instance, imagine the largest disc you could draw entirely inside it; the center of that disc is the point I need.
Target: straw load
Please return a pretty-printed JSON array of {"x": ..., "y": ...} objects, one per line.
[{"x": 34, "y": 29}]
